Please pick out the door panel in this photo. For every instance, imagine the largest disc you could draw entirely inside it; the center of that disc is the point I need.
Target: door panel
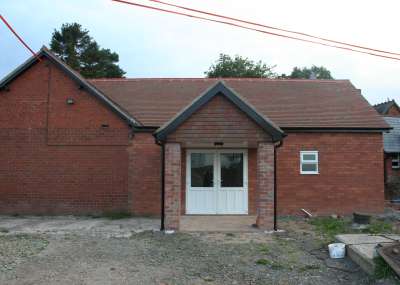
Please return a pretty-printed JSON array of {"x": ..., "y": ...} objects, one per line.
[
  {"x": 200, "y": 183},
  {"x": 232, "y": 184},
  {"x": 216, "y": 182}
]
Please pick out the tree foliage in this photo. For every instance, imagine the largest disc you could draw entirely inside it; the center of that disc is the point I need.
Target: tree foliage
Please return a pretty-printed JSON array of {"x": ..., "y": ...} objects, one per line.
[
  {"x": 314, "y": 72},
  {"x": 238, "y": 66},
  {"x": 75, "y": 47}
]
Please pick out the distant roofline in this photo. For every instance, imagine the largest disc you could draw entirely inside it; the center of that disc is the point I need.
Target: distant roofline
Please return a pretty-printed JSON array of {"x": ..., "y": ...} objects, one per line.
[
  {"x": 384, "y": 107},
  {"x": 386, "y": 102},
  {"x": 216, "y": 79}
]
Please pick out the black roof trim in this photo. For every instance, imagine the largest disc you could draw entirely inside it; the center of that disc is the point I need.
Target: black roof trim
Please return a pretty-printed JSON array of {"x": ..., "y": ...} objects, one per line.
[
  {"x": 335, "y": 130},
  {"x": 219, "y": 88},
  {"x": 145, "y": 129},
  {"x": 44, "y": 52}
]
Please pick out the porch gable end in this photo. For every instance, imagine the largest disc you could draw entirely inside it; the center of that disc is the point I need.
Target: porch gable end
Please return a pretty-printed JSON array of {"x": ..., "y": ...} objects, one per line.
[{"x": 223, "y": 90}]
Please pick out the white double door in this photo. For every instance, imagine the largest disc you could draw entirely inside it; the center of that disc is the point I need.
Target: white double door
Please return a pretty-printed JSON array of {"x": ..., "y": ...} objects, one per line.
[{"x": 216, "y": 182}]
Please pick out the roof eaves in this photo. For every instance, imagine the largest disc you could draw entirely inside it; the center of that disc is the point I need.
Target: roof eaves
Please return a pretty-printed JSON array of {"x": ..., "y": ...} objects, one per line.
[
  {"x": 337, "y": 129},
  {"x": 18, "y": 70}
]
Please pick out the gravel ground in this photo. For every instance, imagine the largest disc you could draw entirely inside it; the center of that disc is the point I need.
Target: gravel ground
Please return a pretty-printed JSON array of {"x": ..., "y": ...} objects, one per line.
[{"x": 151, "y": 257}]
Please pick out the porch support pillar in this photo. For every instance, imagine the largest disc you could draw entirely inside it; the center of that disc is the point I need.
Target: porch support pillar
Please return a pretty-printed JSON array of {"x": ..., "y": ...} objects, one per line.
[
  {"x": 172, "y": 186},
  {"x": 265, "y": 185}
]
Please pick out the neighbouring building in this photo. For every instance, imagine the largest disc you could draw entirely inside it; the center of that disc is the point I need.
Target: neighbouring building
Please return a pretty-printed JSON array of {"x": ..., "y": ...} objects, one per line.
[
  {"x": 391, "y": 146},
  {"x": 190, "y": 146}
]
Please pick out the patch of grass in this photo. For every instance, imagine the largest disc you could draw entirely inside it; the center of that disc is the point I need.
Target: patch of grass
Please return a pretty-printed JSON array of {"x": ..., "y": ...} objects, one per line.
[
  {"x": 277, "y": 266},
  {"x": 265, "y": 249},
  {"x": 4, "y": 230},
  {"x": 329, "y": 227},
  {"x": 230, "y": 234},
  {"x": 382, "y": 269},
  {"x": 379, "y": 227},
  {"x": 263, "y": 261},
  {"x": 309, "y": 267},
  {"x": 273, "y": 264}
]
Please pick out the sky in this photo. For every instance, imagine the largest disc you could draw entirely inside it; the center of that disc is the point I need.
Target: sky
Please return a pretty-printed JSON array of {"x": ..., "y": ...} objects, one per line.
[{"x": 154, "y": 44}]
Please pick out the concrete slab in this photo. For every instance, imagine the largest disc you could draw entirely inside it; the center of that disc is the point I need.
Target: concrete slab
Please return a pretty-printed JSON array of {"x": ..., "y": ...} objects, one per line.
[
  {"x": 361, "y": 248},
  {"x": 350, "y": 239},
  {"x": 231, "y": 223},
  {"x": 392, "y": 237},
  {"x": 363, "y": 255}
]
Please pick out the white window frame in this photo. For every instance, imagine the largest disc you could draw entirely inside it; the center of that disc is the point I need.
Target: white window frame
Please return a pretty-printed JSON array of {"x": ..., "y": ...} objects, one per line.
[
  {"x": 396, "y": 159},
  {"x": 316, "y": 162}
]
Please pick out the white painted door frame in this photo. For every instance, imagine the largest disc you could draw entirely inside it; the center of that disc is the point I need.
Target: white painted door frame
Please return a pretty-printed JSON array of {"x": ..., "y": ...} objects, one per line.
[{"x": 217, "y": 199}]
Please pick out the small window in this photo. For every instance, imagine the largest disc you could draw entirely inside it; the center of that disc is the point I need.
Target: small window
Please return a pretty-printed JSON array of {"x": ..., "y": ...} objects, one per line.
[
  {"x": 396, "y": 161},
  {"x": 309, "y": 162}
]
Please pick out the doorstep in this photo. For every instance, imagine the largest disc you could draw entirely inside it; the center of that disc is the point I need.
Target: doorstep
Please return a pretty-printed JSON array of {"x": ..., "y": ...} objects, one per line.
[{"x": 218, "y": 223}]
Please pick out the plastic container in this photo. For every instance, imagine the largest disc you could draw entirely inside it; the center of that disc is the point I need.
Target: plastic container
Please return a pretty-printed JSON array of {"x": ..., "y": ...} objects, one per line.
[{"x": 337, "y": 250}]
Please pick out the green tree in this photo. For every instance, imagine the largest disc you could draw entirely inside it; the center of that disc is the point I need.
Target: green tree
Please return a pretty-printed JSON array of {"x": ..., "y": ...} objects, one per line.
[
  {"x": 238, "y": 66},
  {"x": 74, "y": 46},
  {"x": 315, "y": 72}
]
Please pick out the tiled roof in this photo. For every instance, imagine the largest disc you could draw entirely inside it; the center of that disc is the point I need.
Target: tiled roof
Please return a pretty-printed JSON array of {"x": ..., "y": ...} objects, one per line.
[
  {"x": 288, "y": 103},
  {"x": 391, "y": 140}
]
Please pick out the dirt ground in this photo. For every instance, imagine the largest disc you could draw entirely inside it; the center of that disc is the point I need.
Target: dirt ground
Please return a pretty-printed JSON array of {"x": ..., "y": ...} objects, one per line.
[{"x": 93, "y": 255}]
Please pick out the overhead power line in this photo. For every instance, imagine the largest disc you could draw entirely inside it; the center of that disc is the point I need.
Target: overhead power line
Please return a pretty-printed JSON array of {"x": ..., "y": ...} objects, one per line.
[
  {"x": 18, "y": 37},
  {"x": 270, "y": 27},
  {"x": 252, "y": 29}
]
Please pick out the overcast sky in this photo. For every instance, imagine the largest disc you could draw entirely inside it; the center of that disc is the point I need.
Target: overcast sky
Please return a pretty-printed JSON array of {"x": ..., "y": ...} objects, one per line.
[{"x": 154, "y": 44}]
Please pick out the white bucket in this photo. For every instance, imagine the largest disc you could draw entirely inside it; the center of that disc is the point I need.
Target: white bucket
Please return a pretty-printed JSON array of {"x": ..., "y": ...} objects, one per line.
[{"x": 337, "y": 250}]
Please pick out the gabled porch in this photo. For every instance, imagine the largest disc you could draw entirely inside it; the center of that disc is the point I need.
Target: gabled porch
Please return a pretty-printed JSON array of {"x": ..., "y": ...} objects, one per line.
[{"x": 207, "y": 167}]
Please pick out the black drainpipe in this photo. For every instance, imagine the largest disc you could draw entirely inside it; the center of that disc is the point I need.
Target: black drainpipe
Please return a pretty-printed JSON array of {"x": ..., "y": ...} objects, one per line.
[
  {"x": 161, "y": 144},
  {"x": 275, "y": 186}
]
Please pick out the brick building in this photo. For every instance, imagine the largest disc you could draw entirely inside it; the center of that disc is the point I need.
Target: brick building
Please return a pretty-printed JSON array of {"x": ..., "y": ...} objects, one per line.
[
  {"x": 391, "y": 147},
  {"x": 173, "y": 147}
]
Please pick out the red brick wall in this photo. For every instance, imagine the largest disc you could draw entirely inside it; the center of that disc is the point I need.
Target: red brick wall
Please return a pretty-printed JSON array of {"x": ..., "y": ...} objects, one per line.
[
  {"x": 392, "y": 178},
  {"x": 145, "y": 175},
  {"x": 390, "y": 172},
  {"x": 393, "y": 112},
  {"x": 172, "y": 185},
  {"x": 219, "y": 120},
  {"x": 80, "y": 123},
  {"x": 76, "y": 166},
  {"x": 265, "y": 186},
  {"x": 36, "y": 177},
  {"x": 350, "y": 178}
]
